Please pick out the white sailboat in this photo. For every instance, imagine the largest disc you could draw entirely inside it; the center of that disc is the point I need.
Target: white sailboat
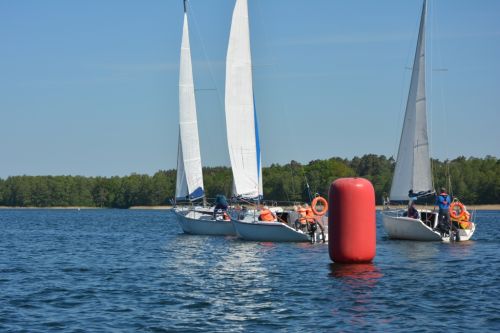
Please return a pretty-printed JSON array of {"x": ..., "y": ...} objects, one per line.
[
  {"x": 189, "y": 184},
  {"x": 413, "y": 167},
  {"x": 243, "y": 136}
]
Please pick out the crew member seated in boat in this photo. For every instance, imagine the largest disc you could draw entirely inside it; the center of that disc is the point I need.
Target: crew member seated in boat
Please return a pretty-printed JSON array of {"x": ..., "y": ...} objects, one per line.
[
  {"x": 220, "y": 208},
  {"x": 310, "y": 219},
  {"x": 243, "y": 212},
  {"x": 412, "y": 211},
  {"x": 267, "y": 215}
]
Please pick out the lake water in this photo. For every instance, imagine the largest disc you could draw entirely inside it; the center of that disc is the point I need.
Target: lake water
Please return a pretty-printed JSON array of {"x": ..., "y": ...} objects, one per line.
[{"x": 128, "y": 270}]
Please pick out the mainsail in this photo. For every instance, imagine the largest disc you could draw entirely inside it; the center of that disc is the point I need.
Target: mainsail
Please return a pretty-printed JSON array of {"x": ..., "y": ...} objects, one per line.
[
  {"x": 413, "y": 168},
  {"x": 189, "y": 183},
  {"x": 241, "y": 118}
]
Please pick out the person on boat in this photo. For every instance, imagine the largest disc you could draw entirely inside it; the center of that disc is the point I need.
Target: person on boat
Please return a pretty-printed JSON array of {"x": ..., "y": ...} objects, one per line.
[
  {"x": 243, "y": 212},
  {"x": 301, "y": 221},
  {"x": 443, "y": 201},
  {"x": 221, "y": 202},
  {"x": 220, "y": 207},
  {"x": 310, "y": 217},
  {"x": 412, "y": 211},
  {"x": 385, "y": 199},
  {"x": 310, "y": 220},
  {"x": 267, "y": 215}
]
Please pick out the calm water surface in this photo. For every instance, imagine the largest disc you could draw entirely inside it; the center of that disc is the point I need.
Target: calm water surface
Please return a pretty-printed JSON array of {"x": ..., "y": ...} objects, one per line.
[{"x": 121, "y": 270}]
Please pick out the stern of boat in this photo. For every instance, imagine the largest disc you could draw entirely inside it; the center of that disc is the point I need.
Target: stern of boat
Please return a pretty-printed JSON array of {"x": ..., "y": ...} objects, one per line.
[{"x": 399, "y": 226}]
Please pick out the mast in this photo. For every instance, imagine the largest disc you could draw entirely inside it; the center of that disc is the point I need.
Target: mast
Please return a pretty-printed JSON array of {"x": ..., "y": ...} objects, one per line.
[{"x": 413, "y": 168}]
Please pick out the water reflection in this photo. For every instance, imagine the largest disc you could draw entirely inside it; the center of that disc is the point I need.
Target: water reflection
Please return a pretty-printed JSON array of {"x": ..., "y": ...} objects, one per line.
[
  {"x": 461, "y": 250},
  {"x": 219, "y": 278},
  {"x": 356, "y": 274},
  {"x": 414, "y": 250},
  {"x": 356, "y": 288}
]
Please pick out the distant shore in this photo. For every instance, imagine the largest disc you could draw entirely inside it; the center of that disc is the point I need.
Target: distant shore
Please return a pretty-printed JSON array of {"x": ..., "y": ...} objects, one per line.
[
  {"x": 469, "y": 207},
  {"x": 62, "y": 207}
]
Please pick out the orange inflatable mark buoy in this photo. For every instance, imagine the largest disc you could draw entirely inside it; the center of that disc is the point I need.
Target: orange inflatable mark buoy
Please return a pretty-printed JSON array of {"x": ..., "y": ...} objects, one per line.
[
  {"x": 323, "y": 202},
  {"x": 351, "y": 223},
  {"x": 453, "y": 210}
]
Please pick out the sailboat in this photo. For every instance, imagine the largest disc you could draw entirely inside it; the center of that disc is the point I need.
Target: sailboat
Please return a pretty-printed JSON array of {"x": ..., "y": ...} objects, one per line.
[
  {"x": 189, "y": 185},
  {"x": 412, "y": 175},
  {"x": 243, "y": 137}
]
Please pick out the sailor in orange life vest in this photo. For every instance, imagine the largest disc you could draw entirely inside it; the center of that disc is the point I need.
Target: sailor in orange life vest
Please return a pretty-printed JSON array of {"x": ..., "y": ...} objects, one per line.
[
  {"x": 305, "y": 215},
  {"x": 267, "y": 215},
  {"x": 301, "y": 222},
  {"x": 311, "y": 220},
  {"x": 310, "y": 217}
]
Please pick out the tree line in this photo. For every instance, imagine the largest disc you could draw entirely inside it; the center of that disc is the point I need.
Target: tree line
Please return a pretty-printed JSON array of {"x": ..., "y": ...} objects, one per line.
[{"x": 473, "y": 180}]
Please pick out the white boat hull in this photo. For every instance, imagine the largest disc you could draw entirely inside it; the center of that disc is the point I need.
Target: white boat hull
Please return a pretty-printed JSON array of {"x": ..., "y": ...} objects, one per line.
[
  {"x": 201, "y": 222},
  {"x": 398, "y": 226},
  {"x": 261, "y": 231}
]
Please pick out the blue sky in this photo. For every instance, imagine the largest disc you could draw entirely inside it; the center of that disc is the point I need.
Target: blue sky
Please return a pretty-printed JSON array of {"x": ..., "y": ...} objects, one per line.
[{"x": 90, "y": 87}]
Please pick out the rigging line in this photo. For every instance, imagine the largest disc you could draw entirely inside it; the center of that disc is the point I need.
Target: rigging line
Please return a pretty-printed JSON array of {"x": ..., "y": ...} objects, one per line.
[
  {"x": 307, "y": 185},
  {"x": 442, "y": 82},
  {"x": 286, "y": 193},
  {"x": 430, "y": 112},
  {"x": 443, "y": 106},
  {"x": 212, "y": 77},
  {"x": 292, "y": 179},
  {"x": 405, "y": 85}
]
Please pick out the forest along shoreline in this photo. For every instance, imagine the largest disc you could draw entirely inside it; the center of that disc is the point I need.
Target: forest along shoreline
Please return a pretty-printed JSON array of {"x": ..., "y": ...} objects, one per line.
[{"x": 473, "y": 180}]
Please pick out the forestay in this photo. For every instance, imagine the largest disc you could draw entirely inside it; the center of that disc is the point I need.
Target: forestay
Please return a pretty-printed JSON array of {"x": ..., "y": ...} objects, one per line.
[
  {"x": 241, "y": 118},
  {"x": 413, "y": 168}
]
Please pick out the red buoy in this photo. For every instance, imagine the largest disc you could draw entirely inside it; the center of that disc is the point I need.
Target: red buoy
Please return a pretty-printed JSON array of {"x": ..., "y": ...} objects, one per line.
[{"x": 351, "y": 221}]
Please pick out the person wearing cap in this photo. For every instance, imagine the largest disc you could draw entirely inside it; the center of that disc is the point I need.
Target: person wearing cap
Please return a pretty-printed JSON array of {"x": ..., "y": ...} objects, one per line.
[{"x": 443, "y": 201}]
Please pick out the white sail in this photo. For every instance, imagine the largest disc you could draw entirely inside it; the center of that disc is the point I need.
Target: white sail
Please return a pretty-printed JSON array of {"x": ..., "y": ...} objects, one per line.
[
  {"x": 241, "y": 119},
  {"x": 189, "y": 183},
  {"x": 413, "y": 168}
]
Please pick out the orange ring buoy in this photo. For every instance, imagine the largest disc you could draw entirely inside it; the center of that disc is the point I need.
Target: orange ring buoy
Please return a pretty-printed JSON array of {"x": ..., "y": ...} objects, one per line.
[
  {"x": 453, "y": 212},
  {"x": 323, "y": 202}
]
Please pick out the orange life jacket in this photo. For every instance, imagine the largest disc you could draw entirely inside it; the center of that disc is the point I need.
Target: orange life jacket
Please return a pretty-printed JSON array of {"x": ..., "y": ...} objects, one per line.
[
  {"x": 302, "y": 215},
  {"x": 266, "y": 215},
  {"x": 310, "y": 217}
]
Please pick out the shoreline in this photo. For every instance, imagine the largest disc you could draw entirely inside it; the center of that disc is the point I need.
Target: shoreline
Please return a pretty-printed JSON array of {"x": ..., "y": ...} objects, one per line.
[{"x": 378, "y": 207}]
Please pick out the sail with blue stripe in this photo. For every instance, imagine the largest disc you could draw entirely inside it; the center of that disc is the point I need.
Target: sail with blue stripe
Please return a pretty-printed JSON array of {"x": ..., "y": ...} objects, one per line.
[
  {"x": 241, "y": 117},
  {"x": 189, "y": 184}
]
